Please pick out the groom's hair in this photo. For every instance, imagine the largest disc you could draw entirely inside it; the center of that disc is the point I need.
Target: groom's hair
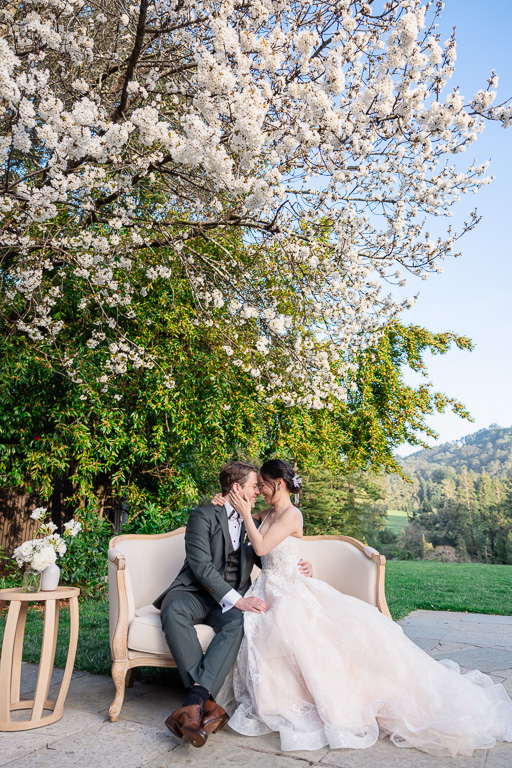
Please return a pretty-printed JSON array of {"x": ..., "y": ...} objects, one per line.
[{"x": 235, "y": 472}]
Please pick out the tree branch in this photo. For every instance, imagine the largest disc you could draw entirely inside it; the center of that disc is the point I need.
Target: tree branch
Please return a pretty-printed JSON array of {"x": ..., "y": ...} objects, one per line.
[{"x": 137, "y": 49}]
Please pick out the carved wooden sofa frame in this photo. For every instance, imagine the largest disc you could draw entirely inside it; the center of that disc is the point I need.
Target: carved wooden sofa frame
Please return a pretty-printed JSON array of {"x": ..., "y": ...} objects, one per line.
[{"x": 142, "y": 566}]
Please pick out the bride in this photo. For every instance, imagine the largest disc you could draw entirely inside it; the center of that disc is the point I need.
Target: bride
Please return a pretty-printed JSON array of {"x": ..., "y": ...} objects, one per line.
[{"x": 324, "y": 668}]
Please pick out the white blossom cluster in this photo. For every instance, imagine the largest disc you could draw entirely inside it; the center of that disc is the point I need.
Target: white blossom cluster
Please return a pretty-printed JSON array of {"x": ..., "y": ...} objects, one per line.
[
  {"x": 323, "y": 131},
  {"x": 38, "y": 553}
]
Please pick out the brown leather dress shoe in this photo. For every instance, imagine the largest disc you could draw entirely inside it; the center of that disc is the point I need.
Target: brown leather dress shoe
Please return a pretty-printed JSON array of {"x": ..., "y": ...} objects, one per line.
[
  {"x": 214, "y": 717},
  {"x": 185, "y": 723}
]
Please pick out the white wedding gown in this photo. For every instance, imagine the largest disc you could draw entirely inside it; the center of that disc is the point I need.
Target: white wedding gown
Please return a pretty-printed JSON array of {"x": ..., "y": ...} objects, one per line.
[{"x": 323, "y": 668}]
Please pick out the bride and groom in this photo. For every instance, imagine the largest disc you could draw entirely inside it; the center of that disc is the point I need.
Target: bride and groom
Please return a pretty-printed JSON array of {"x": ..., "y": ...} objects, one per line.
[{"x": 317, "y": 666}]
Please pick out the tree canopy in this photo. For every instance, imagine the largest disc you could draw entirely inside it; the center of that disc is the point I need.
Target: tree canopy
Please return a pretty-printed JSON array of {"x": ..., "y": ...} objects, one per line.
[
  {"x": 152, "y": 444},
  {"x": 144, "y": 143},
  {"x": 206, "y": 207}
]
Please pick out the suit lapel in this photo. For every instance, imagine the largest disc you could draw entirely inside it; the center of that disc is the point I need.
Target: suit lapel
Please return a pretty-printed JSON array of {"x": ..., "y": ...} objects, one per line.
[
  {"x": 243, "y": 549},
  {"x": 221, "y": 514}
]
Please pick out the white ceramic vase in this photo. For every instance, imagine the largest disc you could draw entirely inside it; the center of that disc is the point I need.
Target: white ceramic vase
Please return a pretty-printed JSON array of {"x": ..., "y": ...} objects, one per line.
[{"x": 50, "y": 578}]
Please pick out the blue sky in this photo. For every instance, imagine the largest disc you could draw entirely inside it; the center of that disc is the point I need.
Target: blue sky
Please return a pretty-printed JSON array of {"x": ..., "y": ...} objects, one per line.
[{"x": 474, "y": 295}]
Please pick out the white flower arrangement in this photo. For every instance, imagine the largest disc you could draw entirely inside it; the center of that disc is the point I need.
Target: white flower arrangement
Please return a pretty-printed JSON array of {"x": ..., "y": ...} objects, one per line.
[{"x": 39, "y": 553}]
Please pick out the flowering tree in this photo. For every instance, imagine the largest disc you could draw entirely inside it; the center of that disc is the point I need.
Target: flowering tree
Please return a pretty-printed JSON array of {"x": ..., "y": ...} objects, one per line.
[
  {"x": 160, "y": 449},
  {"x": 281, "y": 157}
]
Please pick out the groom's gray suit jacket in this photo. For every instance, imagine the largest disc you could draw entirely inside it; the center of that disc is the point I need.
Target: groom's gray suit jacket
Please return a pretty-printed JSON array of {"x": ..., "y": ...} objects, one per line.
[{"x": 207, "y": 546}]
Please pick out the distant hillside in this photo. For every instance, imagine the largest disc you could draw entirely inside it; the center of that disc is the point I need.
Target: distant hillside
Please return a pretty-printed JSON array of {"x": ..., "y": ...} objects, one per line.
[
  {"x": 488, "y": 450},
  {"x": 458, "y": 501},
  {"x": 436, "y": 472}
]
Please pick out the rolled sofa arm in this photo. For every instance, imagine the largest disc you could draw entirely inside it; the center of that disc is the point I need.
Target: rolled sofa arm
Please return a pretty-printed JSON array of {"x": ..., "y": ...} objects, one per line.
[
  {"x": 370, "y": 551},
  {"x": 116, "y": 556},
  {"x": 121, "y": 603}
]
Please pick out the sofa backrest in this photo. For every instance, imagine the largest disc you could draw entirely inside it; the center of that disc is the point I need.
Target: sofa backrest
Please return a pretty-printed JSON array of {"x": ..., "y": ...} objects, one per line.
[
  {"x": 154, "y": 561},
  {"x": 342, "y": 565}
]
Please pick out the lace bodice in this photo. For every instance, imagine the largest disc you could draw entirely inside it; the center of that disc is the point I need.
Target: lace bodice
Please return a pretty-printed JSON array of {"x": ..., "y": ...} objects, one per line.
[{"x": 283, "y": 558}]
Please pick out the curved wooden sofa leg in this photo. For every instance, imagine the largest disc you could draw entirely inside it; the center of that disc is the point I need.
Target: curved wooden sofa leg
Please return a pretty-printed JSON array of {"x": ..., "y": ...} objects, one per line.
[
  {"x": 120, "y": 670},
  {"x": 130, "y": 677}
]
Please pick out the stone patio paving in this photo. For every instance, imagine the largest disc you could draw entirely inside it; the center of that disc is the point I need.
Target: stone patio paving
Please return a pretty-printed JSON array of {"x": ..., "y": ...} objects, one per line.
[{"x": 85, "y": 737}]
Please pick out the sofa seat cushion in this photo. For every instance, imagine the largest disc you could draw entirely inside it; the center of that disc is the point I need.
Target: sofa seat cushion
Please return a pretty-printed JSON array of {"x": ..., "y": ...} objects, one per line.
[{"x": 145, "y": 632}]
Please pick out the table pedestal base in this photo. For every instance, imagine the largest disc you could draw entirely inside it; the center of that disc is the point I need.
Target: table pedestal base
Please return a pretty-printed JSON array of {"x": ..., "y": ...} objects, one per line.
[
  {"x": 12, "y": 652},
  {"x": 25, "y": 725}
]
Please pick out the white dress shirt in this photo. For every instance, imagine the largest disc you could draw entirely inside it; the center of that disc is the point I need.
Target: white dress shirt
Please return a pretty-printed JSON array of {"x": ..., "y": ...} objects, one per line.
[{"x": 235, "y": 526}]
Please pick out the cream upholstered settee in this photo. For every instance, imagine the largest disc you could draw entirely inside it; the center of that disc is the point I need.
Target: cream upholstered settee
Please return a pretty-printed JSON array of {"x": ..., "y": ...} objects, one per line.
[{"x": 141, "y": 567}]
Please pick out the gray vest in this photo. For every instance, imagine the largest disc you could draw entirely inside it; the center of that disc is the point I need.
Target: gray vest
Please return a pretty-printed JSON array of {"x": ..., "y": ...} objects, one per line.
[{"x": 231, "y": 572}]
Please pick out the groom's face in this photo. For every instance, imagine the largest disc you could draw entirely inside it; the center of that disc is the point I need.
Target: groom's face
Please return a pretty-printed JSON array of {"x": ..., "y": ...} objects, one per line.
[{"x": 250, "y": 489}]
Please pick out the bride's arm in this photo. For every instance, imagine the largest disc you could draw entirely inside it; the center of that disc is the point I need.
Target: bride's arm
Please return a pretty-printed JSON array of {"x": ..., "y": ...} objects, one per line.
[{"x": 290, "y": 523}]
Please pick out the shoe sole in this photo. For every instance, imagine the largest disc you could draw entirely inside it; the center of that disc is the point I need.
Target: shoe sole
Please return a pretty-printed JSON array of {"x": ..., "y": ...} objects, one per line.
[
  {"x": 196, "y": 738},
  {"x": 174, "y": 727}
]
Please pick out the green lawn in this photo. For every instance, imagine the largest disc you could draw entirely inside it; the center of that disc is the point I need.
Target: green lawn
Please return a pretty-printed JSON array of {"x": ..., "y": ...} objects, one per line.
[
  {"x": 396, "y": 520},
  {"x": 476, "y": 588},
  {"x": 434, "y": 586},
  {"x": 93, "y": 653}
]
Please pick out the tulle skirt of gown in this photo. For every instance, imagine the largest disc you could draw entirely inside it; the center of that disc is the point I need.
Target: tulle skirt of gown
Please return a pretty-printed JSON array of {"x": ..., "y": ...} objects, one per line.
[{"x": 323, "y": 668}]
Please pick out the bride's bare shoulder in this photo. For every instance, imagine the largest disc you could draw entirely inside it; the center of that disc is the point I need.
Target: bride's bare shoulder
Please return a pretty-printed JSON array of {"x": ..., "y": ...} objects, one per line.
[
  {"x": 293, "y": 516},
  {"x": 260, "y": 515}
]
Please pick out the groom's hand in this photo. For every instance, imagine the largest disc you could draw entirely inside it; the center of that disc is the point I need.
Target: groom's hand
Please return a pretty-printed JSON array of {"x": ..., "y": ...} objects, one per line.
[
  {"x": 305, "y": 568},
  {"x": 252, "y": 604}
]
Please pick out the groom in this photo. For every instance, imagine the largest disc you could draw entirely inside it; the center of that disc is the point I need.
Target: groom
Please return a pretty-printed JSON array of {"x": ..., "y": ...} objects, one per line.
[{"x": 210, "y": 590}]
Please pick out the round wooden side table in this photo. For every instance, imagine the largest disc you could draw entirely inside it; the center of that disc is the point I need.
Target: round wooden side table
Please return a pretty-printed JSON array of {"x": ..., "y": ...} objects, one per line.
[{"x": 12, "y": 651}]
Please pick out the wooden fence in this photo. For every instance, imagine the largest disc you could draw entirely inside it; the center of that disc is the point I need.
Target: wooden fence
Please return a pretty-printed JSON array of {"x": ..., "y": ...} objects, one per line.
[{"x": 16, "y": 525}]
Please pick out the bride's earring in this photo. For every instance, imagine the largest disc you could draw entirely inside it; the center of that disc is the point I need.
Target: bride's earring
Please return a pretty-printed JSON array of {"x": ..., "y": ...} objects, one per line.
[{"x": 279, "y": 486}]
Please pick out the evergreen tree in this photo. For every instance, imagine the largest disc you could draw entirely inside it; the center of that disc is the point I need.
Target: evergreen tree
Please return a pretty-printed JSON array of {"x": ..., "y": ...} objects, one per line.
[
  {"x": 461, "y": 550},
  {"x": 466, "y": 497},
  {"x": 491, "y": 521},
  {"x": 341, "y": 503},
  {"x": 459, "y": 494}
]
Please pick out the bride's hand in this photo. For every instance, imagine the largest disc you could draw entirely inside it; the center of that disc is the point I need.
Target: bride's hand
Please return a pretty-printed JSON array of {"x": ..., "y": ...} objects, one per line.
[
  {"x": 306, "y": 568},
  {"x": 240, "y": 503},
  {"x": 218, "y": 500}
]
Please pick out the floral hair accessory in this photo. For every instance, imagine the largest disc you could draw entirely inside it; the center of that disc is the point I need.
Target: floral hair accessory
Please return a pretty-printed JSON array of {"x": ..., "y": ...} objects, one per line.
[{"x": 297, "y": 481}]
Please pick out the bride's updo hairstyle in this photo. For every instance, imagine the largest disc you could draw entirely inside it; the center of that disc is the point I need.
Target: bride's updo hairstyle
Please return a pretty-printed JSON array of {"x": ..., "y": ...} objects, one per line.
[{"x": 273, "y": 470}]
